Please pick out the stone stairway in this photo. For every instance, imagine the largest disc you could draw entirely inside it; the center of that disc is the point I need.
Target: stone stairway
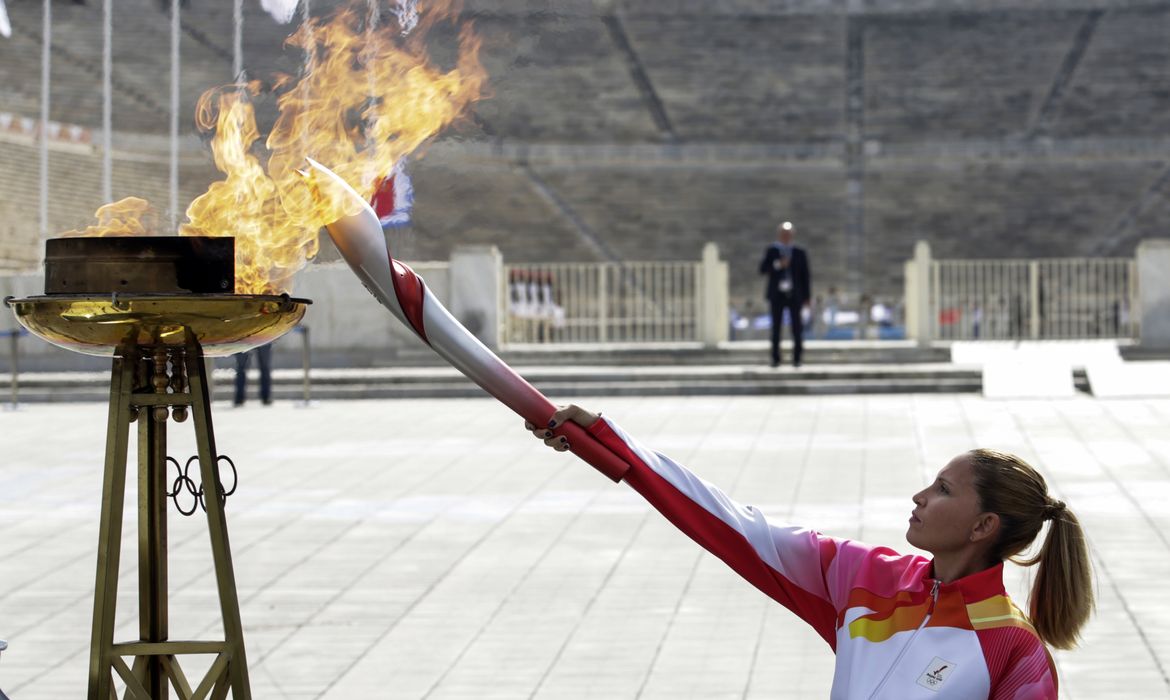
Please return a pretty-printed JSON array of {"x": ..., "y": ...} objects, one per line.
[{"x": 564, "y": 372}]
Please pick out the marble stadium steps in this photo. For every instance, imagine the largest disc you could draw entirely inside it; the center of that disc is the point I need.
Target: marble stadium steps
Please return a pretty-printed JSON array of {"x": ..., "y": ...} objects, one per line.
[
  {"x": 557, "y": 382},
  {"x": 580, "y": 371}
]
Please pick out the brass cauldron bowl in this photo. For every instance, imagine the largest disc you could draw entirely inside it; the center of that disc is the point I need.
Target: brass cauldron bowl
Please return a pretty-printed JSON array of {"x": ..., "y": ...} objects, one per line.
[{"x": 223, "y": 324}]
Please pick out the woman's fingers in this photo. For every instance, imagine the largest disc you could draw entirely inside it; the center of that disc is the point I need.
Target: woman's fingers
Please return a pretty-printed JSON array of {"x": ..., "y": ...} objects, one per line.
[
  {"x": 558, "y": 442},
  {"x": 571, "y": 412},
  {"x": 575, "y": 413}
]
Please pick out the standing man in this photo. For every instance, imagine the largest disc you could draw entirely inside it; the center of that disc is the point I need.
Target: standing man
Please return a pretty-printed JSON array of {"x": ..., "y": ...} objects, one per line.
[
  {"x": 264, "y": 359},
  {"x": 789, "y": 281}
]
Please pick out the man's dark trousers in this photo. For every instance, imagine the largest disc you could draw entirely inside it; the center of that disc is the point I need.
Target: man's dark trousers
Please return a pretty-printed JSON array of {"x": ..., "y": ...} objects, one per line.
[{"x": 779, "y": 303}]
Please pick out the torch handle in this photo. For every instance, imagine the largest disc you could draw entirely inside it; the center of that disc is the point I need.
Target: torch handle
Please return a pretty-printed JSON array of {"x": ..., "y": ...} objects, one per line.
[
  {"x": 514, "y": 391},
  {"x": 584, "y": 445}
]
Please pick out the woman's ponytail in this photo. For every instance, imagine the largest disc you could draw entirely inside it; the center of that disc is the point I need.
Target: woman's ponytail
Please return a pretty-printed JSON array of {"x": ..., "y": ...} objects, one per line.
[{"x": 1062, "y": 593}]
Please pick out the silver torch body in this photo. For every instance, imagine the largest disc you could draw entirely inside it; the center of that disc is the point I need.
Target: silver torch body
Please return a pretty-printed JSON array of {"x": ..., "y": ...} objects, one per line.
[{"x": 361, "y": 241}]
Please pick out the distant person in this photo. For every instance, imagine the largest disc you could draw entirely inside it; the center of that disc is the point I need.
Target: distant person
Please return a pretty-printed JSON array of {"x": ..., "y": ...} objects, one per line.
[
  {"x": 832, "y": 306},
  {"x": 813, "y": 324},
  {"x": 865, "y": 317},
  {"x": 789, "y": 282},
  {"x": 264, "y": 359}
]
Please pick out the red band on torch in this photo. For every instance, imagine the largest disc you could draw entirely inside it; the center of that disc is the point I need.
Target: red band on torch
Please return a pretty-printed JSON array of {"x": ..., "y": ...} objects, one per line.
[
  {"x": 362, "y": 243},
  {"x": 408, "y": 289}
]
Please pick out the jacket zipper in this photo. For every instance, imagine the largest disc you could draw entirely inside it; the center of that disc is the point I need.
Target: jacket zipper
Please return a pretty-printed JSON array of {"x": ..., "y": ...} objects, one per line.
[{"x": 929, "y": 612}]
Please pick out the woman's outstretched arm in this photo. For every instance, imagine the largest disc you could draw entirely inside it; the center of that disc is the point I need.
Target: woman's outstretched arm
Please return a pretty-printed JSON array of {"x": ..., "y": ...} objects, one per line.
[{"x": 807, "y": 572}]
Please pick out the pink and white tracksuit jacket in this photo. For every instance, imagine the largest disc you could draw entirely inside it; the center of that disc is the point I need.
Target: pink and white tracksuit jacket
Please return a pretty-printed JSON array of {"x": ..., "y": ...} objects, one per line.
[{"x": 898, "y": 633}]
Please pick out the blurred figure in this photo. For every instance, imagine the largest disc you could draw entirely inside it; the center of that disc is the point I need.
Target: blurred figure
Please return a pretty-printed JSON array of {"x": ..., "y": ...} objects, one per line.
[
  {"x": 789, "y": 282},
  {"x": 814, "y": 319},
  {"x": 832, "y": 306},
  {"x": 264, "y": 359},
  {"x": 866, "y": 317}
]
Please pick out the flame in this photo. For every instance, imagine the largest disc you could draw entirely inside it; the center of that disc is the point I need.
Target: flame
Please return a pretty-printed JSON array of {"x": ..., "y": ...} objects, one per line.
[
  {"x": 370, "y": 96},
  {"x": 131, "y": 216}
]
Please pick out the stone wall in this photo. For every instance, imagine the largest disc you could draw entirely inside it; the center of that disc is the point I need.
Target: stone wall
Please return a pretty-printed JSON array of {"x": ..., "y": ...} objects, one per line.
[{"x": 644, "y": 130}]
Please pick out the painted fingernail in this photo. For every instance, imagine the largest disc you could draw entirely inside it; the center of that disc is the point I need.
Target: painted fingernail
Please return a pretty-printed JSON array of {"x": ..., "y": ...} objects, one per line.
[
  {"x": 552, "y": 423},
  {"x": 548, "y": 433}
]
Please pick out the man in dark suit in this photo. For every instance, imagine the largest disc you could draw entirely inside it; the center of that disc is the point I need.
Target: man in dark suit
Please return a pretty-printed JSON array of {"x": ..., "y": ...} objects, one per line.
[{"x": 789, "y": 282}]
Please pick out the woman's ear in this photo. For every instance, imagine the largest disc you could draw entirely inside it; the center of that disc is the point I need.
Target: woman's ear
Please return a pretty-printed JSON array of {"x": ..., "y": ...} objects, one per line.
[{"x": 986, "y": 528}]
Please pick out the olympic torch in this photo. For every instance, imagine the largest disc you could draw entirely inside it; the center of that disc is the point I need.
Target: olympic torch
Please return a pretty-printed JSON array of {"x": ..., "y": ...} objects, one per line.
[{"x": 360, "y": 239}]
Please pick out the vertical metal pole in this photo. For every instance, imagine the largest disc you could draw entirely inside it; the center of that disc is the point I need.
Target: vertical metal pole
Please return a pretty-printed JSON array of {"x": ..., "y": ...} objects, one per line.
[
  {"x": 602, "y": 305},
  {"x": 46, "y": 53},
  {"x": 14, "y": 360},
  {"x": 105, "y": 596},
  {"x": 238, "y": 42},
  {"x": 107, "y": 100},
  {"x": 1034, "y": 299},
  {"x": 305, "y": 361},
  {"x": 936, "y": 300},
  {"x": 225, "y": 576},
  {"x": 152, "y": 545},
  {"x": 175, "y": 77}
]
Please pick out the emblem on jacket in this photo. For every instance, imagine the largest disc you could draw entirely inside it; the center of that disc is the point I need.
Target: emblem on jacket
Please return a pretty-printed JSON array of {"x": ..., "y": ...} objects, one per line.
[{"x": 936, "y": 674}]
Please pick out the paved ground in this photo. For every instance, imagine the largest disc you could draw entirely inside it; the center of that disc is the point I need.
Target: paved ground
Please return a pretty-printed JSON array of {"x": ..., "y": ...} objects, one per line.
[{"x": 430, "y": 548}]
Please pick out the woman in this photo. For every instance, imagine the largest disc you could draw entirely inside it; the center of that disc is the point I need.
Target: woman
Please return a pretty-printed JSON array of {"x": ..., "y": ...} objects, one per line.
[{"x": 902, "y": 626}]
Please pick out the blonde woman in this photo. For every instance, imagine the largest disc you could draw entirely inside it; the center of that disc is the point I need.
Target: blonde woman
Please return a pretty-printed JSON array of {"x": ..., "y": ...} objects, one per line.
[{"x": 902, "y": 626}]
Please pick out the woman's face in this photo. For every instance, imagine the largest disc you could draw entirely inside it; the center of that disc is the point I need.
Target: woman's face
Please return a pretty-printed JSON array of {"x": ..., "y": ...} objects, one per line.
[{"x": 946, "y": 511}]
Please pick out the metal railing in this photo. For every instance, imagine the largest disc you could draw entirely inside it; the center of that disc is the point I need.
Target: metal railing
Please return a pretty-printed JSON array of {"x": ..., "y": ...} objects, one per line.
[
  {"x": 306, "y": 356},
  {"x": 602, "y": 302},
  {"x": 1057, "y": 298},
  {"x": 14, "y": 363}
]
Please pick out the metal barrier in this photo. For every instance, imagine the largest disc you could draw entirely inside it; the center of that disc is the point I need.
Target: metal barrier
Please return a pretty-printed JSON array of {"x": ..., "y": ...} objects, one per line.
[
  {"x": 1062, "y": 298},
  {"x": 306, "y": 387},
  {"x": 1041, "y": 299},
  {"x": 14, "y": 365},
  {"x": 602, "y": 302}
]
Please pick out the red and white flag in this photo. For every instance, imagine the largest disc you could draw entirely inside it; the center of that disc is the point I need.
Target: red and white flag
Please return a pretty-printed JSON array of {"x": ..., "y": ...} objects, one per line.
[{"x": 394, "y": 198}]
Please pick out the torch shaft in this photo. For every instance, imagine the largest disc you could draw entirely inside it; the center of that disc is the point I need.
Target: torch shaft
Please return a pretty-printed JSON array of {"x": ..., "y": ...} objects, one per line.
[{"x": 360, "y": 240}]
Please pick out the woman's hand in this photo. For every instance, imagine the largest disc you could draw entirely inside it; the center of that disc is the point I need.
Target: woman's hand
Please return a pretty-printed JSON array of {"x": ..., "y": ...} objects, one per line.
[{"x": 572, "y": 412}]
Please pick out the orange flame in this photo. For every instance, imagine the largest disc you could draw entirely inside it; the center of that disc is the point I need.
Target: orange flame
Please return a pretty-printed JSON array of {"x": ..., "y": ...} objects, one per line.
[
  {"x": 131, "y": 216},
  {"x": 369, "y": 97}
]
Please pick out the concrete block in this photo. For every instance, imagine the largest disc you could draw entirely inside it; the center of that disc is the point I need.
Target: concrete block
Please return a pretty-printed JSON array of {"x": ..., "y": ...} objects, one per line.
[
  {"x": 1153, "y": 263},
  {"x": 1074, "y": 353},
  {"x": 1015, "y": 378},
  {"x": 1129, "y": 379}
]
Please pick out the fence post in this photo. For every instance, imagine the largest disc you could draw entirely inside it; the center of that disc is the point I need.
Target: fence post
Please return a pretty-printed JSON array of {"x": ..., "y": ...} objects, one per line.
[
  {"x": 15, "y": 366},
  {"x": 918, "y": 297},
  {"x": 305, "y": 360},
  {"x": 1153, "y": 279},
  {"x": 1034, "y": 299},
  {"x": 475, "y": 291},
  {"x": 602, "y": 304},
  {"x": 713, "y": 297}
]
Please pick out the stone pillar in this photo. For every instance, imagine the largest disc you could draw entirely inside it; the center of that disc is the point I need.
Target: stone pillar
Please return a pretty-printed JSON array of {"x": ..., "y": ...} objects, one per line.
[
  {"x": 476, "y": 288},
  {"x": 1153, "y": 273},
  {"x": 918, "y": 296},
  {"x": 714, "y": 328}
]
